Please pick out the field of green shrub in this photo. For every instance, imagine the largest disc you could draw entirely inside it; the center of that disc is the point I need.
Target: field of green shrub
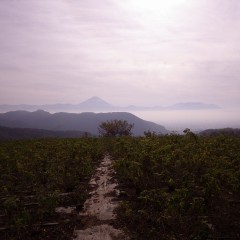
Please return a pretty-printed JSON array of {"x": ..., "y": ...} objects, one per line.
[
  {"x": 172, "y": 187},
  {"x": 39, "y": 175},
  {"x": 179, "y": 187}
]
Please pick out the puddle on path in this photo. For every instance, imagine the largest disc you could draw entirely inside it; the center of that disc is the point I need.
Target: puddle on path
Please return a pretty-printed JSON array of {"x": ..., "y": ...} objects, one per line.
[{"x": 101, "y": 204}]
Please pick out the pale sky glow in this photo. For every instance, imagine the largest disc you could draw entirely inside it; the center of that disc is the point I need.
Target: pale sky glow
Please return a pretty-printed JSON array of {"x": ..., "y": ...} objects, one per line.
[{"x": 141, "y": 52}]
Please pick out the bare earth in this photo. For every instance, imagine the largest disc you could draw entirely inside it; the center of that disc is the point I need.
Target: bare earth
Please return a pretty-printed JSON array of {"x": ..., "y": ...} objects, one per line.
[{"x": 99, "y": 209}]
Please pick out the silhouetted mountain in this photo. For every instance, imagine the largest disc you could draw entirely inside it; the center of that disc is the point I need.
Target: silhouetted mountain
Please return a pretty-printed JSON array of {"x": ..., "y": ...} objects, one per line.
[
  {"x": 29, "y": 133},
  {"x": 222, "y": 131},
  {"x": 86, "y": 122},
  {"x": 97, "y": 104}
]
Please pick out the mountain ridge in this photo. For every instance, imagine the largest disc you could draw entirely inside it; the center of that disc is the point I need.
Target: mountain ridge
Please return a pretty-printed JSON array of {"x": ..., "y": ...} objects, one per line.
[
  {"x": 98, "y": 104},
  {"x": 220, "y": 131},
  {"x": 85, "y": 122}
]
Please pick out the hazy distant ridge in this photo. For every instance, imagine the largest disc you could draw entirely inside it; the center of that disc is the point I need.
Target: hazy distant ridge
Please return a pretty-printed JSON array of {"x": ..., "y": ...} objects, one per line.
[
  {"x": 98, "y": 104},
  {"x": 221, "y": 131},
  {"x": 85, "y": 122}
]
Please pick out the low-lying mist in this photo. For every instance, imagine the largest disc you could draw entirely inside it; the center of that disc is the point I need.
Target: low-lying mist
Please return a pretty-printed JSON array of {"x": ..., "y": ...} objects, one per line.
[{"x": 196, "y": 120}]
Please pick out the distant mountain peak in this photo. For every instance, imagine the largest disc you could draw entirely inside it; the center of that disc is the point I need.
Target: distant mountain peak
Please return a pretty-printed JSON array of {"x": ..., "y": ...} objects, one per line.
[
  {"x": 96, "y": 98},
  {"x": 94, "y": 102}
]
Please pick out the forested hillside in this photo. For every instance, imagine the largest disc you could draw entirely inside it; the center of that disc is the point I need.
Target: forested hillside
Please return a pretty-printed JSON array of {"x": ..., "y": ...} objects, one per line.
[{"x": 85, "y": 122}]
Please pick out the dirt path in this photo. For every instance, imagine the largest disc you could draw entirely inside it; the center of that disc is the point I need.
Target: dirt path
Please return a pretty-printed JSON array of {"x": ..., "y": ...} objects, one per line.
[{"x": 98, "y": 212}]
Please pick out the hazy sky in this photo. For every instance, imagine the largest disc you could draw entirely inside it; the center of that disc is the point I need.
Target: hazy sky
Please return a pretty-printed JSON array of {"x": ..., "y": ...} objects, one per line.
[{"x": 142, "y": 52}]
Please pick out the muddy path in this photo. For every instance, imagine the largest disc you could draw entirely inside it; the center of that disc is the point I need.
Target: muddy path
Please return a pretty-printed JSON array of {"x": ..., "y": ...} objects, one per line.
[{"x": 98, "y": 214}]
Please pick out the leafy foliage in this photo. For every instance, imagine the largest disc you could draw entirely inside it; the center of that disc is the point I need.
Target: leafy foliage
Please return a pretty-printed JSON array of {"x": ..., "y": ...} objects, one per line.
[
  {"x": 176, "y": 186},
  {"x": 179, "y": 187},
  {"x": 39, "y": 175},
  {"x": 115, "y": 128}
]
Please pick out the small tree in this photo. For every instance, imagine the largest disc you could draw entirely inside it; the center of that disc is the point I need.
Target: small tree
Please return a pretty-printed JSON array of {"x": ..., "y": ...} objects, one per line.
[
  {"x": 115, "y": 128},
  {"x": 150, "y": 134}
]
